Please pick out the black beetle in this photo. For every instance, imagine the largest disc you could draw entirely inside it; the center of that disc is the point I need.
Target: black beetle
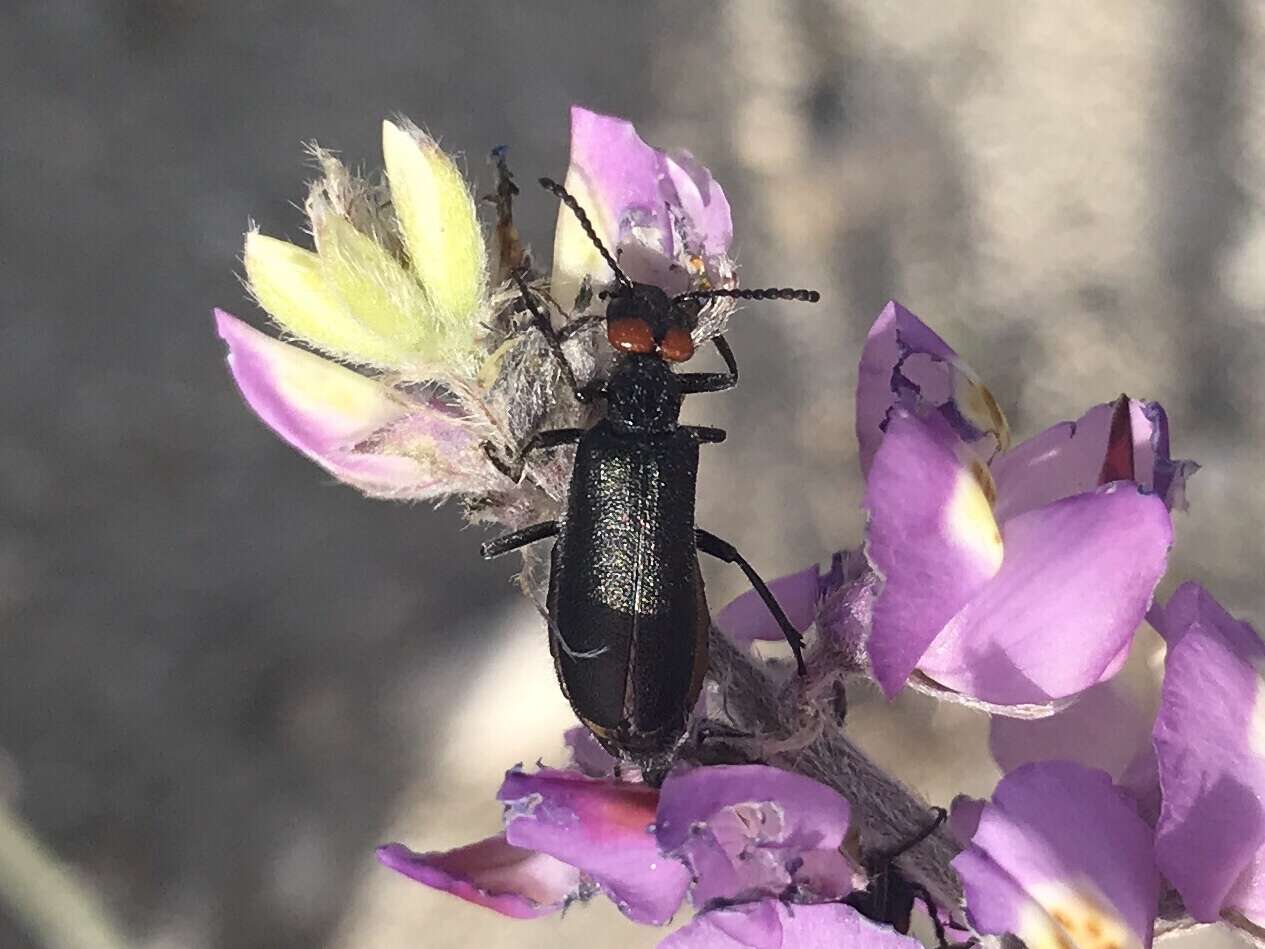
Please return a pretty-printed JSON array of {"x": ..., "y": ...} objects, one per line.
[{"x": 627, "y": 613}]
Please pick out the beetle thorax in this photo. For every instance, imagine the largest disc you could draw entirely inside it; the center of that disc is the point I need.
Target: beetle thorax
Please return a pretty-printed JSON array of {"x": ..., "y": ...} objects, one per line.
[{"x": 643, "y": 396}]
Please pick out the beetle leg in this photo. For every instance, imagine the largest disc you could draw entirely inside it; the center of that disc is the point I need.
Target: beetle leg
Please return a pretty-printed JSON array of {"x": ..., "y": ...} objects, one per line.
[
  {"x": 519, "y": 538},
  {"x": 942, "y": 938},
  {"x": 887, "y": 856},
  {"x": 705, "y": 434},
  {"x": 577, "y": 326},
  {"x": 723, "y": 550},
  {"x": 692, "y": 382},
  {"x": 541, "y": 321},
  {"x": 513, "y": 468}
]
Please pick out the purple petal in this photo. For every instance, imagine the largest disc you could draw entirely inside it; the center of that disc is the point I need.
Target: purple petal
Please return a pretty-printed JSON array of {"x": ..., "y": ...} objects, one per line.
[
  {"x": 1122, "y": 440},
  {"x": 661, "y": 214},
  {"x": 1170, "y": 473},
  {"x": 905, "y": 363},
  {"x": 754, "y": 830},
  {"x": 623, "y": 176},
  {"x": 1060, "y": 857},
  {"x": 931, "y": 537},
  {"x": 605, "y": 828},
  {"x": 513, "y": 881},
  {"x": 706, "y": 220},
  {"x": 846, "y": 613},
  {"x": 1104, "y": 728},
  {"x": 1210, "y": 743},
  {"x": 358, "y": 429},
  {"x": 747, "y": 618},
  {"x": 964, "y": 818},
  {"x": 802, "y": 595},
  {"x": 1076, "y": 582},
  {"x": 587, "y": 755},
  {"x": 770, "y": 924}
]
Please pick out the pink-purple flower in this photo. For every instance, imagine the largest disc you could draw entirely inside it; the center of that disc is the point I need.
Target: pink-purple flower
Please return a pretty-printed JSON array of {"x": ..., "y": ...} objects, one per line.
[
  {"x": 1014, "y": 577},
  {"x": 566, "y": 837},
  {"x": 1010, "y": 576},
  {"x": 1058, "y": 857},
  {"x": 750, "y": 832},
  {"x": 1210, "y": 745},
  {"x": 513, "y": 881},
  {"x": 661, "y": 212},
  {"x": 1194, "y": 771},
  {"x": 758, "y": 849}
]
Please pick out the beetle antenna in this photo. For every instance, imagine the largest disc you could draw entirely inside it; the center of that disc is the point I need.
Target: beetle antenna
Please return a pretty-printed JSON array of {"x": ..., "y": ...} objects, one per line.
[
  {"x": 586, "y": 225},
  {"x": 765, "y": 293}
]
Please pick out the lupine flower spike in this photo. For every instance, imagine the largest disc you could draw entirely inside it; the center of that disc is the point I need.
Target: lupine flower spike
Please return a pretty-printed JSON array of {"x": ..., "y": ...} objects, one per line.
[{"x": 1012, "y": 577}]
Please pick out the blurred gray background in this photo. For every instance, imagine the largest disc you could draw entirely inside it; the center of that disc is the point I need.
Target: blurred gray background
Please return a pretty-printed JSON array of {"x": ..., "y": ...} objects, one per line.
[{"x": 223, "y": 680}]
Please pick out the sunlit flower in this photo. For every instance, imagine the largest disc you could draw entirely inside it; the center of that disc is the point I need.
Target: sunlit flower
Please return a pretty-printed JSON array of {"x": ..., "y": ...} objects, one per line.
[
  {"x": 566, "y": 837},
  {"x": 1210, "y": 743},
  {"x": 749, "y": 832},
  {"x": 1011, "y": 575},
  {"x": 661, "y": 213},
  {"x": 1017, "y": 578},
  {"x": 1060, "y": 858},
  {"x": 729, "y": 835}
]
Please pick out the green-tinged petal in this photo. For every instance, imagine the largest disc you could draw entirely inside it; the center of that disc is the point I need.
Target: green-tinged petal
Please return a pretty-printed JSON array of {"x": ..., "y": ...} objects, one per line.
[
  {"x": 574, "y": 254},
  {"x": 441, "y": 229},
  {"x": 289, "y": 282},
  {"x": 376, "y": 288}
]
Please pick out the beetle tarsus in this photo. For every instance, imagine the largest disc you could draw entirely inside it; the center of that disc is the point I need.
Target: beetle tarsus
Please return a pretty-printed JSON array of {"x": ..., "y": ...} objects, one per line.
[
  {"x": 541, "y": 441},
  {"x": 887, "y": 856},
  {"x": 706, "y": 434},
  {"x": 889, "y": 896},
  {"x": 695, "y": 382}
]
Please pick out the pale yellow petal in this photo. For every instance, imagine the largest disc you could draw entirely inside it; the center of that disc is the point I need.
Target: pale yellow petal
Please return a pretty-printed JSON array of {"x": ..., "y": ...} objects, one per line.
[
  {"x": 1074, "y": 916},
  {"x": 375, "y": 287},
  {"x": 969, "y": 516},
  {"x": 289, "y": 282},
  {"x": 437, "y": 217}
]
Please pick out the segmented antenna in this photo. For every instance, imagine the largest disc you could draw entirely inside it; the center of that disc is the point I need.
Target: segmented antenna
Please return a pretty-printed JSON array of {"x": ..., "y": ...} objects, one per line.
[
  {"x": 765, "y": 293},
  {"x": 586, "y": 225}
]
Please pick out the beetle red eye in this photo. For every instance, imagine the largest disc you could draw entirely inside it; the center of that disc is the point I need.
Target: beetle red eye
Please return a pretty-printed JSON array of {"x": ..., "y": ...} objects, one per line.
[
  {"x": 630, "y": 335},
  {"x": 677, "y": 344}
]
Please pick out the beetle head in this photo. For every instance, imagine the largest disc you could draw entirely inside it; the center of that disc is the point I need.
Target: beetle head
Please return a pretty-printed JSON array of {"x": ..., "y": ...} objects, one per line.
[{"x": 641, "y": 318}]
